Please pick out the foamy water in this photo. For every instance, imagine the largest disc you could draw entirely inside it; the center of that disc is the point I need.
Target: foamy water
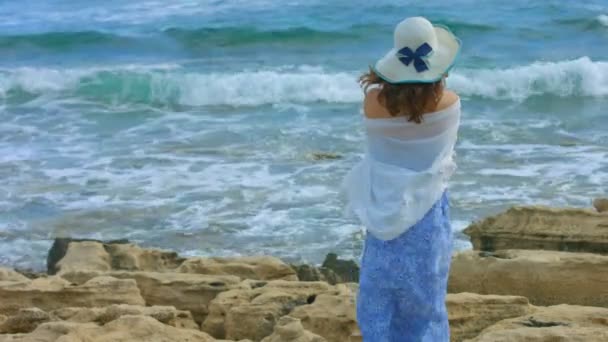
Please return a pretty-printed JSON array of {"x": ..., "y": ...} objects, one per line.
[
  {"x": 173, "y": 85},
  {"x": 196, "y": 126}
]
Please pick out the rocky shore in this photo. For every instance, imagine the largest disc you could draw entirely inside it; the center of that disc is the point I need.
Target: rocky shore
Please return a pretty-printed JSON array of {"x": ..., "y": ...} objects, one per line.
[{"x": 535, "y": 274}]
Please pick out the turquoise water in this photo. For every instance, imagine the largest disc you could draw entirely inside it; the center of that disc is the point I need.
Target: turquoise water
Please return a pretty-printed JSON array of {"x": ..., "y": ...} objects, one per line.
[{"x": 192, "y": 125}]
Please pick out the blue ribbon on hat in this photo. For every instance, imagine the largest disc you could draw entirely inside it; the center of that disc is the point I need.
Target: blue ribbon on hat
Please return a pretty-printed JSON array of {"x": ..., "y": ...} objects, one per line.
[{"x": 406, "y": 56}]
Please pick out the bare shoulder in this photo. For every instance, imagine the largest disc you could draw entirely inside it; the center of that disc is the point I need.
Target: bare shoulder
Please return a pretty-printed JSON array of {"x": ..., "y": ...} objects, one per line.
[
  {"x": 447, "y": 99},
  {"x": 372, "y": 107}
]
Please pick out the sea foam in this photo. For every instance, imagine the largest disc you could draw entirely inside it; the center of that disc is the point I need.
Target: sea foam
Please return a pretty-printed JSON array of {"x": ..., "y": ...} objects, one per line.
[
  {"x": 580, "y": 77},
  {"x": 171, "y": 85}
]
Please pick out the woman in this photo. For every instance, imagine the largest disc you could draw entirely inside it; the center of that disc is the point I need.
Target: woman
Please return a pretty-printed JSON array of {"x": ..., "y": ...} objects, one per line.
[{"x": 398, "y": 191}]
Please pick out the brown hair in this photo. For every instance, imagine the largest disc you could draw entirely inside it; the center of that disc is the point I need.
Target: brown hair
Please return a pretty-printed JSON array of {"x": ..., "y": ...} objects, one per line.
[{"x": 411, "y": 99}]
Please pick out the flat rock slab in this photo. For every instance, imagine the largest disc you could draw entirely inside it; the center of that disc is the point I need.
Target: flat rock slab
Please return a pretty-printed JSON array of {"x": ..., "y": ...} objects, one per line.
[
  {"x": 165, "y": 314},
  {"x": 541, "y": 228},
  {"x": 254, "y": 268},
  {"x": 192, "y": 292},
  {"x": 100, "y": 257},
  {"x": 124, "y": 329},
  {"x": 544, "y": 277},
  {"x": 555, "y": 323},
  {"x": 470, "y": 313},
  {"x": 27, "y": 320},
  {"x": 54, "y": 292}
]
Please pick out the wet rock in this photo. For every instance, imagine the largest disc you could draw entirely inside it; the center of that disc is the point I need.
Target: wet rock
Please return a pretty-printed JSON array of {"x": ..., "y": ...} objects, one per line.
[
  {"x": 346, "y": 270},
  {"x": 311, "y": 273},
  {"x": 324, "y": 156}
]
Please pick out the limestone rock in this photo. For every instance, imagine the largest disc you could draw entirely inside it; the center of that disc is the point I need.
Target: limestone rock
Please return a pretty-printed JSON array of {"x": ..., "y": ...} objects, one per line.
[
  {"x": 84, "y": 256},
  {"x": 31, "y": 273},
  {"x": 255, "y": 268},
  {"x": 192, "y": 292},
  {"x": 470, "y": 313},
  {"x": 331, "y": 315},
  {"x": 289, "y": 329},
  {"x": 26, "y": 320},
  {"x": 164, "y": 314},
  {"x": 79, "y": 277},
  {"x": 601, "y": 205},
  {"x": 573, "y": 230},
  {"x": 96, "y": 256},
  {"x": 346, "y": 270},
  {"x": 54, "y": 292},
  {"x": 252, "y": 312},
  {"x": 548, "y": 324},
  {"x": 356, "y": 337},
  {"x": 544, "y": 277},
  {"x": 60, "y": 248},
  {"x": 10, "y": 275},
  {"x": 130, "y": 257},
  {"x": 124, "y": 329}
]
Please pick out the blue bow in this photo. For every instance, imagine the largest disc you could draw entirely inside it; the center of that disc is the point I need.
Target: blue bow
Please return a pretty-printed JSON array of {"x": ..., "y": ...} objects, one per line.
[{"x": 406, "y": 56}]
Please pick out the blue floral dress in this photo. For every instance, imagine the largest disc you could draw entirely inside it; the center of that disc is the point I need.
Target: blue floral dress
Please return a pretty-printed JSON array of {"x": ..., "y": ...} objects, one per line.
[{"x": 403, "y": 282}]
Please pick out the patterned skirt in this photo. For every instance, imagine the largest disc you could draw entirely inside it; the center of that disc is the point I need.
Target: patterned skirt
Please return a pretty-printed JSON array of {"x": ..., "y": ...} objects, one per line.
[{"x": 403, "y": 282}]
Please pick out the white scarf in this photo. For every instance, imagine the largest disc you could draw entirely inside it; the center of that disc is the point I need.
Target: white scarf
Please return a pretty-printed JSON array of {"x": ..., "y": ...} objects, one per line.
[{"x": 405, "y": 170}]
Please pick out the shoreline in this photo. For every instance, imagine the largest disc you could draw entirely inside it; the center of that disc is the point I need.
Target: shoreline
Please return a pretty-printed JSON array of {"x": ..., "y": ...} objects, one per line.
[{"x": 535, "y": 273}]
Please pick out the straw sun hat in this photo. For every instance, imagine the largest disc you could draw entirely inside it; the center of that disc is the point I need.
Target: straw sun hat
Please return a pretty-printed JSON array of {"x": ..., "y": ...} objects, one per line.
[{"x": 422, "y": 53}]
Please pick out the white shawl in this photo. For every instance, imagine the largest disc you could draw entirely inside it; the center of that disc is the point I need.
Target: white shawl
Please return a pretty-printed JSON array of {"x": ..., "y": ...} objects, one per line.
[{"x": 405, "y": 170}]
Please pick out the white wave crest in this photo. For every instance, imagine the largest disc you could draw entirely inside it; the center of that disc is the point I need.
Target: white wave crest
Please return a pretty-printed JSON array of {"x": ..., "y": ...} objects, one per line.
[
  {"x": 580, "y": 77},
  {"x": 247, "y": 88},
  {"x": 177, "y": 86},
  {"x": 603, "y": 19}
]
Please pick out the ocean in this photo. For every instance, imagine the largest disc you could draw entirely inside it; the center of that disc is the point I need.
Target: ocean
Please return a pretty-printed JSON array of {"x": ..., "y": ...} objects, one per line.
[{"x": 224, "y": 127}]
